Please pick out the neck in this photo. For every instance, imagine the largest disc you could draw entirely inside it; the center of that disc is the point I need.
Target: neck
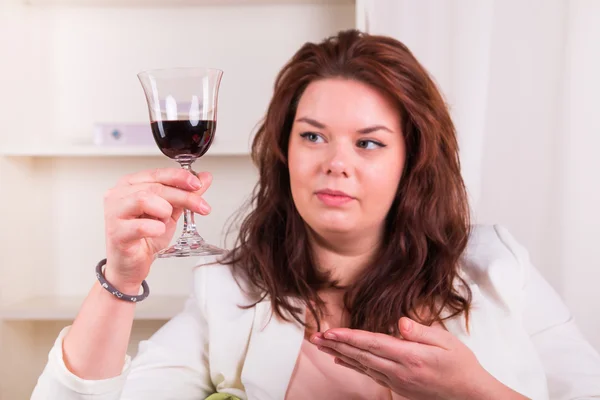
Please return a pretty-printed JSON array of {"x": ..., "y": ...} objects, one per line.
[{"x": 344, "y": 256}]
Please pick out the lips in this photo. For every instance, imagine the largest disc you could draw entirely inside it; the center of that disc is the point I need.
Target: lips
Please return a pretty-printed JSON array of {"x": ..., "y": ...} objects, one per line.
[
  {"x": 333, "y": 198},
  {"x": 333, "y": 193}
]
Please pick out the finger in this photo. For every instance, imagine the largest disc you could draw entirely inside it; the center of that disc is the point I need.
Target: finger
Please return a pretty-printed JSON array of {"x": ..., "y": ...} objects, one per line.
[
  {"x": 348, "y": 362},
  {"x": 175, "y": 177},
  {"x": 176, "y": 214},
  {"x": 177, "y": 198},
  {"x": 134, "y": 229},
  {"x": 379, "y": 344},
  {"x": 415, "y": 332},
  {"x": 358, "y": 356},
  {"x": 144, "y": 204},
  {"x": 379, "y": 380},
  {"x": 348, "y": 365}
]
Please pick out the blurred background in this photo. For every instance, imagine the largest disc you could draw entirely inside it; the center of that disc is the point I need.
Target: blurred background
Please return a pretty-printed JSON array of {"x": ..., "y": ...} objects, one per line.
[{"x": 520, "y": 76}]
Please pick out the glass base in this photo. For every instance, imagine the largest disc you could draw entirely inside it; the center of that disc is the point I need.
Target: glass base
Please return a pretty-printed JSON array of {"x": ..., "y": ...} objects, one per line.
[{"x": 190, "y": 246}]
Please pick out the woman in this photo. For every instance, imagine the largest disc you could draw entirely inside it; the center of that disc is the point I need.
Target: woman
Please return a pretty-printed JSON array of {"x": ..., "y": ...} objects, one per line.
[{"x": 356, "y": 274}]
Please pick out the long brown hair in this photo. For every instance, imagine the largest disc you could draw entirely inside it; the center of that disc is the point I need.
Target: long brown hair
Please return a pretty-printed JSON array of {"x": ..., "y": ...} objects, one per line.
[{"x": 416, "y": 269}]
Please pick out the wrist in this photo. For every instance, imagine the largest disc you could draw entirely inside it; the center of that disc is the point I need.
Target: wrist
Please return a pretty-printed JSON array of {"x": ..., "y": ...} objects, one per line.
[
  {"x": 123, "y": 285},
  {"x": 489, "y": 388}
]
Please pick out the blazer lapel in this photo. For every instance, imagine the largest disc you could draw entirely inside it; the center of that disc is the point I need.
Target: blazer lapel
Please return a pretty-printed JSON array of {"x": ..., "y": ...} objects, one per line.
[{"x": 272, "y": 352}]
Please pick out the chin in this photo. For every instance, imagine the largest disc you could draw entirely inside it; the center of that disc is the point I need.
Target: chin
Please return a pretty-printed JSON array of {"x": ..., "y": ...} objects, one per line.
[{"x": 335, "y": 225}]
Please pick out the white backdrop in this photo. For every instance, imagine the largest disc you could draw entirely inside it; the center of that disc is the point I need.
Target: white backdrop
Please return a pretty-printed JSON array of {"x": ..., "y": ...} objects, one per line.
[{"x": 522, "y": 79}]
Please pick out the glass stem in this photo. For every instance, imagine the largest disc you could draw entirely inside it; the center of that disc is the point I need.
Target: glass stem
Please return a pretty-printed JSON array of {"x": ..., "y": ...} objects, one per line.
[{"x": 189, "y": 224}]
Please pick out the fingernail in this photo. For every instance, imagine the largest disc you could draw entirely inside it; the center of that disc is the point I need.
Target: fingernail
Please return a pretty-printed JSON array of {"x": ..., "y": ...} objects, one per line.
[
  {"x": 325, "y": 349},
  {"x": 204, "y": 206},
  {"x": 406, "y": 325},
  {"x": 330, "y": 336},
  {"x": 195, "y": 183}
]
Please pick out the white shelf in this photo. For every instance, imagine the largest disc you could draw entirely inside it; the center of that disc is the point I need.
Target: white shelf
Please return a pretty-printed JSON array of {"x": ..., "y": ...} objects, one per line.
[
  {"x": 66, "y": 308},
  {"x": 176, "y": 3},
  {"x": 90, "y": 150}
]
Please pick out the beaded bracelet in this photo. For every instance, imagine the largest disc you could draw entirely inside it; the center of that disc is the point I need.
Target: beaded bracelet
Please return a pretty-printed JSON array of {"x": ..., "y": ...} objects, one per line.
[{"x": 106, "y": 285}]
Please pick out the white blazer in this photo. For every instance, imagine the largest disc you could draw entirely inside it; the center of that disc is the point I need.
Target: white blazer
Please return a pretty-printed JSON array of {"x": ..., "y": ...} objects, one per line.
[{"x": 521, "y": 332}]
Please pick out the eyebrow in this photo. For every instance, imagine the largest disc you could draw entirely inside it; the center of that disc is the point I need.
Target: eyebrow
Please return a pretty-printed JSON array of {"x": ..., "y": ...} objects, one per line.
[{"x": 365, "y": 131}]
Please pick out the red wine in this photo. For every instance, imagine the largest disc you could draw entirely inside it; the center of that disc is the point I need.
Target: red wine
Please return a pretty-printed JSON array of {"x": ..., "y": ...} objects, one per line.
[{"x": 183, "y": 138}]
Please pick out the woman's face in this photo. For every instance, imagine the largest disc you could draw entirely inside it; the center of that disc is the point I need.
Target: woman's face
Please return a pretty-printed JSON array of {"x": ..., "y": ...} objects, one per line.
[{"x": 346, "y": 154}]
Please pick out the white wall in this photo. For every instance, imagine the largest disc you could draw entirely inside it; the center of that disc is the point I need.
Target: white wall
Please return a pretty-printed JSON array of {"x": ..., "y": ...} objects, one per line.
[{"x": 70, "y": 67}]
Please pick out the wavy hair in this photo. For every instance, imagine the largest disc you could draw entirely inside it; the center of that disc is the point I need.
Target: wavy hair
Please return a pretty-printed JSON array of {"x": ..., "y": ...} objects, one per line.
[{"x": 415, "y": 271}]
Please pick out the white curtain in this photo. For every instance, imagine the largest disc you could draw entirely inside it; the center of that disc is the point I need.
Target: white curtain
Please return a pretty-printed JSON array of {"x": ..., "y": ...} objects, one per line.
[
  {"x": 578, "y": 154},
  {"x": 452, "y": 39}
]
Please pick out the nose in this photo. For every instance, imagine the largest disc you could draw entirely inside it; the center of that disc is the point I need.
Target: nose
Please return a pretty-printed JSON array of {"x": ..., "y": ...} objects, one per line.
[{"x": 337, "y": 162}]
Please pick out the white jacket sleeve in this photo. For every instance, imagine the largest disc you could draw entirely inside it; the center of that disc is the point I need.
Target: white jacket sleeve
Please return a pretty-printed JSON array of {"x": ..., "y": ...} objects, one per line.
[
  {"x": 572, "y": 365},
  {"x": 172, "y": 364}
]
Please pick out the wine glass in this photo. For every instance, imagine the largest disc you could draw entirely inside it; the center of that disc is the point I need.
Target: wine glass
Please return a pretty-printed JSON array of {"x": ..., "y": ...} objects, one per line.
[{"x": 182, "y": 103}]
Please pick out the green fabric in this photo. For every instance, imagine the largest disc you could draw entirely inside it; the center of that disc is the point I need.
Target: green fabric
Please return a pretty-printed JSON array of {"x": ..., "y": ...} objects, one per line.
[{"x": 222, "y": 396}]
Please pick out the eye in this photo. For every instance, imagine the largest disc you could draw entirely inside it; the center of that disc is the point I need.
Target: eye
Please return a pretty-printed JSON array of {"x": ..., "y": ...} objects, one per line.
[
  {"x": 369, "y": 144},
  {"x": 312, "y": 137}
]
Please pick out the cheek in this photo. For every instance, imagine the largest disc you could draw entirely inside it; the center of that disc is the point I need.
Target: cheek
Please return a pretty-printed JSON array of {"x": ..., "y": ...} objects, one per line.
[
  {"x": 380, "y": 183},
  {"x": 300, "y": 170}
]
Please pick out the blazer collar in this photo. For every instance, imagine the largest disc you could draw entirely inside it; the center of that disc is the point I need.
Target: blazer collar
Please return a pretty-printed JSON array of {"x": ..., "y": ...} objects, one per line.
[{"x": 273, "y": 349}]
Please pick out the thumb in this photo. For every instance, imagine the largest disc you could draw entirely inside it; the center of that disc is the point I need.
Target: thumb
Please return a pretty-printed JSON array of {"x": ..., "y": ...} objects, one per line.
[{"x": 419, "y": 333}]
